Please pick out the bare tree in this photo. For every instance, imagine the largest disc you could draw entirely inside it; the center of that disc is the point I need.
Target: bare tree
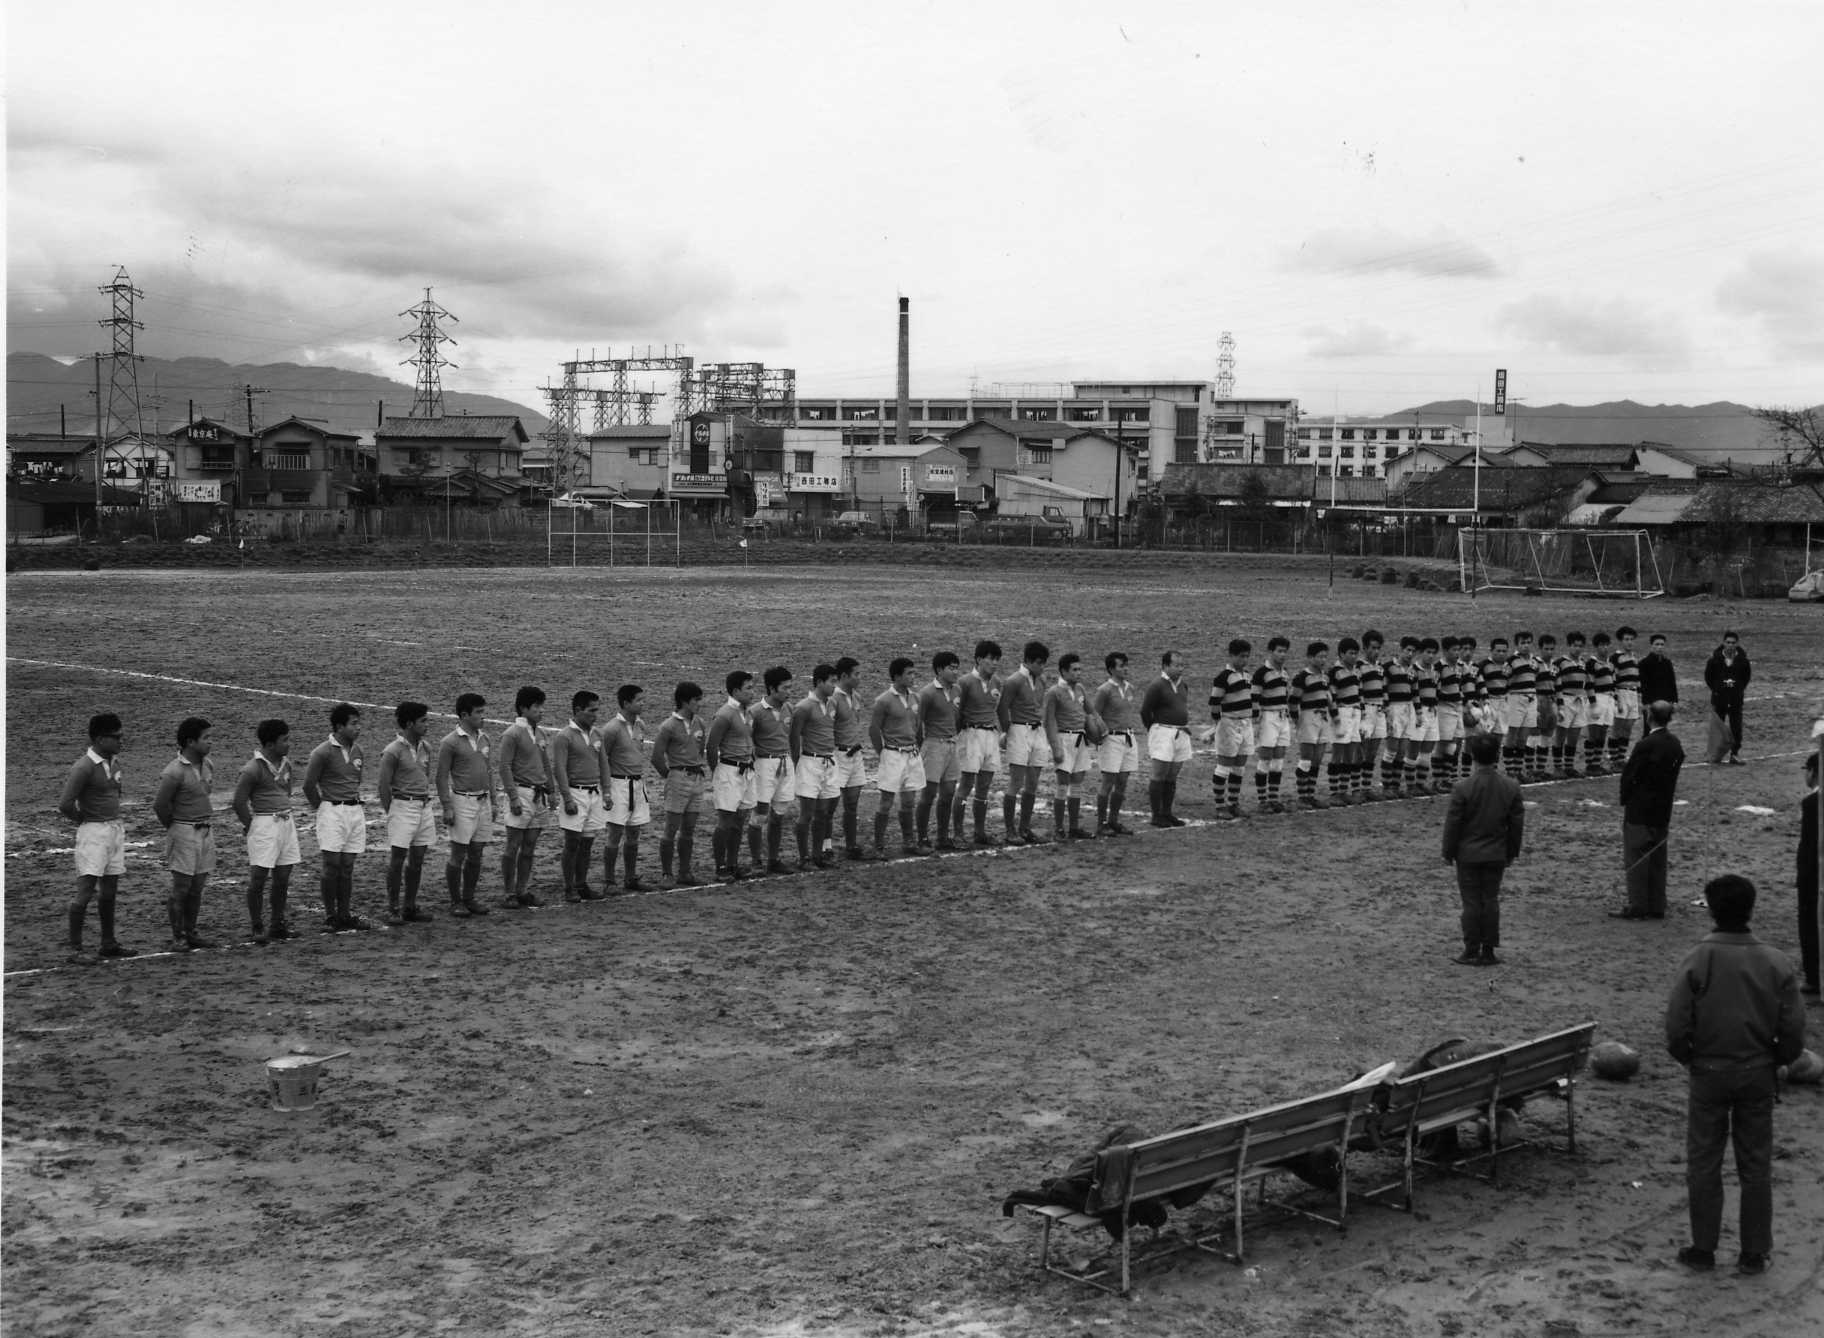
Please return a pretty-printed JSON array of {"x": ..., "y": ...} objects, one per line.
[{"x": 1799, "y": 430}]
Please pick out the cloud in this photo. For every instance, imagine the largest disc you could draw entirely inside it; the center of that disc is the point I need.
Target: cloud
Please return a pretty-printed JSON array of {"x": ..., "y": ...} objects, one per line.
[
  {"x": 1370, "y": 251},
  {"x": 1785, "y": 293},
  {"x": 1595, "y": 328},
  {"x": 1357, "y": 339}
]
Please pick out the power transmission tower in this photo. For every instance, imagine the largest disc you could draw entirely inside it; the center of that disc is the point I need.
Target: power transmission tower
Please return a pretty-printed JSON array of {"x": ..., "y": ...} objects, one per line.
[
  {"x": 120, "y": 412},
  {"x": 428, "y": 401},
  {"x": 1225, "y": 367}
]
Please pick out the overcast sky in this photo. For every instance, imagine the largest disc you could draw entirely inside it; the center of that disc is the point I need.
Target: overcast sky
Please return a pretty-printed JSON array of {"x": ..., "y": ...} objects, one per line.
[{"x": 1383, "y": 202}]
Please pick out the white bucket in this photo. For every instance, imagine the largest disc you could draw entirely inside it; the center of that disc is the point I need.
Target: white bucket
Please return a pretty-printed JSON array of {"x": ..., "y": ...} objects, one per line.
[{"x": 292, "y": 1079}]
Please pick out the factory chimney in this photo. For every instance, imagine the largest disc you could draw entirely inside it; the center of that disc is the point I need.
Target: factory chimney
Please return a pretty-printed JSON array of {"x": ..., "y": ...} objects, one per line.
[{"x": 902, "y": 431}]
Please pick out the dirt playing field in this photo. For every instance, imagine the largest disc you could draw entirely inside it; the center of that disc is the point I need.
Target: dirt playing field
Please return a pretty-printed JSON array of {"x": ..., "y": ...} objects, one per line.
[{"x": 794, "y": 1107}]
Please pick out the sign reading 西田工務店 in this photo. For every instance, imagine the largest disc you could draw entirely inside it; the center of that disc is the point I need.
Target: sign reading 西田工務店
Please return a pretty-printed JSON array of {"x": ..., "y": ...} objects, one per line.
[
  {"x": 698, "y": 485},
  {"x": 812, "y": 483},
  {"x": 940, "y": 473}
]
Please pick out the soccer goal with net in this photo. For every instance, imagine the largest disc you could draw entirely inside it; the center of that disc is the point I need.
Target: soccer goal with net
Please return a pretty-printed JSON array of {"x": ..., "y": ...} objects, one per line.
[{"x": 1617, "y": 564}]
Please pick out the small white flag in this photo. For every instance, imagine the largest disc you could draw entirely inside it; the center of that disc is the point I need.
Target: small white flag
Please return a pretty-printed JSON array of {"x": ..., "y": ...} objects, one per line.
[{"x": 744, "y": 543}]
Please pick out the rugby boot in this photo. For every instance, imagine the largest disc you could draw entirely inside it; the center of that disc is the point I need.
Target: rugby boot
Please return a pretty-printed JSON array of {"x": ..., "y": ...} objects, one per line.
[
  {"x": 777, "y": 865},
  {"x": 635, "y": 884},
  {"x": 945, "y": 843}
]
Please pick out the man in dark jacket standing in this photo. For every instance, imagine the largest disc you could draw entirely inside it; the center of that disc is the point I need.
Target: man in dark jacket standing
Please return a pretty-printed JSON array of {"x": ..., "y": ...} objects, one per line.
[
  {"x": 1658, "y": 679},
  {"x": 1734, "y": 1015},
  {"x": 1808, "y": 879},
  {"x": 1482, "y": 834},
  {"x": 1726, "y": 674},
  {"x": 1649, "y": 782}
]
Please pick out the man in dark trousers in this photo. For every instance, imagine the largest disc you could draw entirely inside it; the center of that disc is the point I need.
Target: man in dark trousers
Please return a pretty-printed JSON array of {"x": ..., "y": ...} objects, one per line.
[
  {"x": 1482, "y": 835},
  {"x": 1649, "y": 782},
  {"x": 1726, "y": 674},
  {"x": 1734, "y": 1015},
  {"x": 1808, "y": 879},
  {"x": 1658, "y": 679}
]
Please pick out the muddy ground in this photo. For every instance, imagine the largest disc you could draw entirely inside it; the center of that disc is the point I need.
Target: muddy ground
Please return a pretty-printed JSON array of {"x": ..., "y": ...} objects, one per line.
[{"x": 794, "y": 1107}]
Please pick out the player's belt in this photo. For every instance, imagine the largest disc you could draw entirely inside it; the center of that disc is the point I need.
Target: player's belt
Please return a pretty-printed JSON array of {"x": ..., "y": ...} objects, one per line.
[
  {"x": 618, "y": 775},
  {"x": 592, "y": 789},
  {"x": 471, "y": 794},
  {"x": 995, "y": 727},
  {"x": 282, "y": 813},
  {"x": 821, "y": 757},
  {"x": 347, "y": 803},
  {"x": 413, "y": 798},
  {"x": 202, "y": 826},
  {"x": 895, "y": 748},
  {"x": 850, "y": 752},
  {"x": 693, "y": 771},
  {"x": 738, "y": 763}
]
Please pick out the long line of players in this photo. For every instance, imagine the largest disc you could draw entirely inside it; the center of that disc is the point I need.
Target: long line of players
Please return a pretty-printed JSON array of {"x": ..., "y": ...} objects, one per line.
[{"x": 766, "y": 762}]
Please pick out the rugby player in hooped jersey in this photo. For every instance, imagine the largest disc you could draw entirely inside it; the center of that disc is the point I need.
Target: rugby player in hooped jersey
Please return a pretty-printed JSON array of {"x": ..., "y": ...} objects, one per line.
[
  {"x": 979, "y": 740},
  {"x": 1309, "y": 700},
  {"x": 1345, "y": 722},
  {"x": 1627, "y": 696},
  {"x": 1021, "y": 715},
  {"x": 1373, "y": 675},
  {"x": 1118, "y": 755},
  {"x": 900, "y": 775},
  {"x": 1232, "y": 710},
  {"x": 1066, "y": 734},
  {"x": 1602, "y": 706},
  {"x": 775, "y": 779},
  {"x": 939, "y": 748}
]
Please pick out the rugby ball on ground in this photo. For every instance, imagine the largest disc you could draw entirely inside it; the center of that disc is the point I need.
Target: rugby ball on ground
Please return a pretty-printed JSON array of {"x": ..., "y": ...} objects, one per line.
[
  {"x": 1807, "y": 1068},
  {"x": 1614, "y": 1061}
]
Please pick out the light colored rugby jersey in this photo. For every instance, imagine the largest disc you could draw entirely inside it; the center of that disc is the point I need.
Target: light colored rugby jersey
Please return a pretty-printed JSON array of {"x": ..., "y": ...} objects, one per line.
[
  {"x": 772, "y": 729},
  {"x": 937, "y": 711},
  {"x": 1114, "y": 702},
  {"x": 1020, "y": 703},
  {"x": 980, "y": 701},
  {"x": 816, "y": 726},
  {"x": 896, "y": 717},
  {"x": 1069, "y": 706}
]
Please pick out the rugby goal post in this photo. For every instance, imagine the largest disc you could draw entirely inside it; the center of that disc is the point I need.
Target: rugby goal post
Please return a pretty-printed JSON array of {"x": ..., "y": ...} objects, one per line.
[{"x": 1614, "y": 564}]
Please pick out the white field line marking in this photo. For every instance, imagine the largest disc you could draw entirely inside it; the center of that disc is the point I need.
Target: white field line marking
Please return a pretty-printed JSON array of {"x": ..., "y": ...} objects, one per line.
[{"x": 221, "y": 687}]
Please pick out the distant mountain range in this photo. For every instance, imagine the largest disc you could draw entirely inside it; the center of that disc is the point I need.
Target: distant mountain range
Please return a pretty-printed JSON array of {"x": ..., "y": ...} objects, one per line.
[
  {"x": 41, "y": 393},
  {"x": 1717, "y": 431},
  {"x": 44, "y": 395}
]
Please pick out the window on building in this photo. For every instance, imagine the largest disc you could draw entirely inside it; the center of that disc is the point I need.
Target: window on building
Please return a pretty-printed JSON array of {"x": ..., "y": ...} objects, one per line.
[
  {"x": 291, "y": 459},
  {"x": 1184, "y": 453},
  {"x": 864, "y": 415},
  {"x": 1437, "y": 434},
  {"x": 1323, "y": 434},
  {"x": 803, "y": 462},
  {"x": 1083, "y": 415},
  {"x": 1034, "y": 415},
  {"x": 1131, "y": 416},
  {"x": 644, "y": 455},
  {"x": 1345, "y": 452},
  {"x": 1231, "y": 427},
  {"x": 946, "y": 413},
  {"x": 1306, "y": 433},
  {"x": 1323, "y": 451},
  {"x": 1036, "y": 455},
  {"x": 294, "y": 498},
  {"x": 1368, "y": 434},
  {"x": 1348, "y": 434},
  {"x": 816, "y": 413},
  {"x": 1345, "y": 471}
]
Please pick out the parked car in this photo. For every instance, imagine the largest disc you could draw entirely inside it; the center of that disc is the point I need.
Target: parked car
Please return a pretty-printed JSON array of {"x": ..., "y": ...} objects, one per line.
[
  {"x": 1050, "y": 528},
  {"x": 854, "y": 524},
  {"x": 951, "y": 524},
  {"x": 1809, "y": 590}
]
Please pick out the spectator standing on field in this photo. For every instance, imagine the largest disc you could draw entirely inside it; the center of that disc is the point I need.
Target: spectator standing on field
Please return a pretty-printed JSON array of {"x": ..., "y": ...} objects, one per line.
[
  {"x": 1649, "y": 783},
  {"x": 183, "y": 807},
  {"x": 1483, "y": 831},
  {"x": 91, "y": 800},
  {"x": 1658, "y": 679},
  {"x": 1726, "y": 674},
  {"x": 1733, "y": 1017}
]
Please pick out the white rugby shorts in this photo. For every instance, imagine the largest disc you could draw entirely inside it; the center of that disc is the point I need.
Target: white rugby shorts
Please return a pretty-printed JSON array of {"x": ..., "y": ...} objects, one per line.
[
  {"x": 1168, "y": 743},
  {"x": 851, "y": 769},
  {"x": 1118, "y": 753},
  {"x": 734, "y": 787},
  {"x": 980, "y": 749},
  {"x": 1374, "y": 721},
  {"x": 1314, "y": 727},
  {"x": 1346, "y": 725},
  {"x": 1424, "y": 725},
  {"x": 341, "y": 828},
  {"x": 1234, "y": 736},
  {"x": 1602, "y": 710},
  {"x": 1450, "y": 722},
  {"x": 189, "y": 849},
  {"x": 628, "y": 803},
  {"x": 943, "y": 761},
  {"x": 1522, "y": 710},
  {"x": 817, "y": 778},
  {"x": 901, "y": 771},
  {"x": 1026, "y": 746},
  {"x": 272, "y": 841},
  {"x": 1401, "y": 718},
  {"x": 1073, "y": 754},
  {"x": 410, "y": 822},
  {"x": 1574, "y": 711},
  {"x": 532, "y": 812},
  {"x": 591, "y": 814},
  {"x": 774, "y": 784},
  {"x": 101, "y": 849},
  {"x": 1627, "y": 703},
  {"x": 472, "y": 821}
]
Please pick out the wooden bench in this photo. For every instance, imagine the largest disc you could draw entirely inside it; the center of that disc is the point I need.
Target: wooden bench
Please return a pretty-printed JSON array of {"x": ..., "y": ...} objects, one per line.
[
  {"x": 1408, "y": 1109},
  {"x": 1222, "y": 1156}
]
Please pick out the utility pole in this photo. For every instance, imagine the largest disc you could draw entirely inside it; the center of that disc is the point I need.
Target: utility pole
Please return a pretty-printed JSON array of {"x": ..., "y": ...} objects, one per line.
[
  {"x": 249, "y": 390},
  {"x": 122, "y": 404}
]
